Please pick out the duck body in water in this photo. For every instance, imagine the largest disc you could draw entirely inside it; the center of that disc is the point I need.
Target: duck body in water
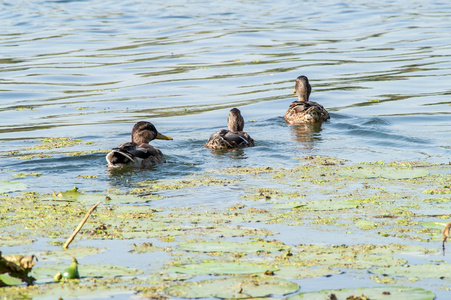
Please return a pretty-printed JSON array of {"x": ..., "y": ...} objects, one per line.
[
  {"x": 138, "y": 153},
  {"x": 235, "y": 137},
  {"x": 303, "y": 110}
]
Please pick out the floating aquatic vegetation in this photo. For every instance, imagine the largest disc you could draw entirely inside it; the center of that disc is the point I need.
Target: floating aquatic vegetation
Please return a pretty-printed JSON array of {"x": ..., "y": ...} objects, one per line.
[
  {"x": 366, "y": 293},
  {"x": 11, "y": 186},
  {"x": 51, "y": 143},
  {"x": 71, "y": 252},
  {"x": 24, "y": 175},
  {"x": 332, "y": 225},
  {"x": 384, "y": 172},
  {"x": 189, "y": 182},
  {"x": 222, "y": 268},
  {"x": 234, "y": 288},
  {"x": 254, "y": 247},
  {"x": 55, "y": 142},
  {"x": 86, "y": 152},
  {"x": 88, "y": 176},
  {"x": 439, "y": 191},
  {"x": 145, "y": 248},
  {"x": 246, "y": 170},
  {"x": 322, "y": 160},
  {"x": 14, "y": 240},
  {"x": 31, "y": 156},
  {"x": 429, "y": 270},
  {"x": 297, "y": 271}
]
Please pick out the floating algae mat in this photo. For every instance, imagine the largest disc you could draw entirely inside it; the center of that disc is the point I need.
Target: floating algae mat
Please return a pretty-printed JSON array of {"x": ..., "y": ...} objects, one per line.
[
  {"x": 234, "y": 288},
  {"x": 375, "y": 293},
  {"x": 11, "y": 186},
  {"x": 374, "y": 229}
]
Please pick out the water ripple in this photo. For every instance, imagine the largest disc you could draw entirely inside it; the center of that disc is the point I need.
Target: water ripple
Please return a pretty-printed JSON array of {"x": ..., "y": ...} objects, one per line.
[{"x": 72, "y": 67}]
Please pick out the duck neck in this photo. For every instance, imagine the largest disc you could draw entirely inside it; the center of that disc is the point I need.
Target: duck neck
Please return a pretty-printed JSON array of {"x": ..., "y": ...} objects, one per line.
[{"x": 302, "y": 96}]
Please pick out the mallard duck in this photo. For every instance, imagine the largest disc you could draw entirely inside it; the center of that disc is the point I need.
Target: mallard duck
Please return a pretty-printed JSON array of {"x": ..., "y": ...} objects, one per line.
[
  {"x": 138, "y": 153},
  {"x": 235, "y": 137},
  {"x": 303, "y": 110}
]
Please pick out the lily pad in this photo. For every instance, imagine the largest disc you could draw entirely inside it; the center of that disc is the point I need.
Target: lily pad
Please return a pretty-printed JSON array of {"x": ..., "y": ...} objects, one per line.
[
  {"x": 417, "y": 271},
  {"x": 75, "y": 195},
  {"x": 332, "y": 204},
  {"x": 346, "y": 260},
  {"x": 434, "y": 225},
  {"x": 366, "y": 224},
  {"x": 222, "y": 268},
  {"x": 77, "y": 291},
  {"x": 46, "y": 274},
  {"x": 289, "y": 205},
  {"x": 6, "y": 279},
  {"x": 71, "y": 252},
  {"x": 14, "y": 241},
  {"x": 234, "y": 288},
  {"x": 11, "y": 186},
  {"x": 374, "y": 293},
  {"x": 253, "y": 247},
  {"x": 295, "y": 272}
]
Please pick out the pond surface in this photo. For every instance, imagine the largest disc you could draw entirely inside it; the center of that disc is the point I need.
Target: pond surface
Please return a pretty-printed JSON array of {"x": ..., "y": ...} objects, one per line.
[{"x": 89, "y": 70}]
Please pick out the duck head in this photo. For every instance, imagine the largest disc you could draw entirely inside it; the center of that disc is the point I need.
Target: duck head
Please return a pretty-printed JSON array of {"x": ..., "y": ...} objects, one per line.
[
  {"x": 144, "y": 132},
  {"x": 235, "y": 122},
  {"x": 302, "y": 88}
]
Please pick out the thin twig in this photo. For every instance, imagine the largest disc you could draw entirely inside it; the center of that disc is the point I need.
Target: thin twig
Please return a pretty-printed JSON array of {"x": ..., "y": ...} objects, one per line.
[{"x": 69, "y": 240}]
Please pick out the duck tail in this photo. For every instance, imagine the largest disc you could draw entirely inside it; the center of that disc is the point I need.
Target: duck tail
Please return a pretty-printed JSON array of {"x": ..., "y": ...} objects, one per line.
[{"x": 118, "y": 158}]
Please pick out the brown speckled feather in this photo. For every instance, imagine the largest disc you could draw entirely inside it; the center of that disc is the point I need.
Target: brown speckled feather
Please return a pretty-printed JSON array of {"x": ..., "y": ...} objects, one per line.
[
  {"x": 303, "y": 110},
  {"x": 235, "y": 137}
]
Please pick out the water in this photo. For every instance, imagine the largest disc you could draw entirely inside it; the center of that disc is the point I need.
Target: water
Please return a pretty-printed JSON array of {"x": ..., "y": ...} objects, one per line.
[{"x": 90, "y": 69}]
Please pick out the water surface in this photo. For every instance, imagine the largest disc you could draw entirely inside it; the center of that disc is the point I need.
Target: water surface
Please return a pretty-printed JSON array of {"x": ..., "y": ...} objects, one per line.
[{"x": 90, "y": 69}]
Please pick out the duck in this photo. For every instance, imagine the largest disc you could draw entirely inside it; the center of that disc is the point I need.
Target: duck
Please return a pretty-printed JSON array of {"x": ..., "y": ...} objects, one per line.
[
  {"x": 235, "y": 137},
  {"x": 303, "y": 110},
  {"x": 138, "y": 153}
]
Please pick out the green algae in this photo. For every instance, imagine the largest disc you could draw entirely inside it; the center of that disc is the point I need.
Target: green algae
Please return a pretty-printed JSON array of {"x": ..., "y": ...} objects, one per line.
[
  {"x": 11, "y": 186},
  {"x": 268, "y": 194},
  {"x": 221, "y": 268},
  {"x": 234, "y": 288},
  {"x": 256, "y": 246},
  {"x": 373, "y": 293},
  {"x": 55, "y": 142},
  {"x": 145, "y": 248},
  {"x": 190, "y": 182},
  {"x": 198, "y": 241},
  {"x": 297, "y": 271},
  {"x": 384, "y": 172},
  {"x": 318, "y": 206},
  {"x": 429, "y": 270},
  {"x": 49, "y": 144},
  {"x": 47, "y": 273},
  {"x": 68, "y": 253},
  {"x": 10, "y": 240},
  {"x": 86, "y": 152},
  {"x": 24, "y": 175}
]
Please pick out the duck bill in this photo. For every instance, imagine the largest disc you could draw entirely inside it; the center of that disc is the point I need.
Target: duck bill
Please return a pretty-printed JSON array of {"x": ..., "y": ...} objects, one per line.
[
  {"x": 294, "y": 92},
  {"x": 162, "y": 137}
]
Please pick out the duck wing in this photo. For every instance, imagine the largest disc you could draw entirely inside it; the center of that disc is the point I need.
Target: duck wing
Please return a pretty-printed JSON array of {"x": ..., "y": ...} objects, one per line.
[
  {"x": 306, "y": 111},
  {"x": 238, "y": 139},
  {"x": 146, "y": 151},
  {"x": 132, "y": 154}
]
